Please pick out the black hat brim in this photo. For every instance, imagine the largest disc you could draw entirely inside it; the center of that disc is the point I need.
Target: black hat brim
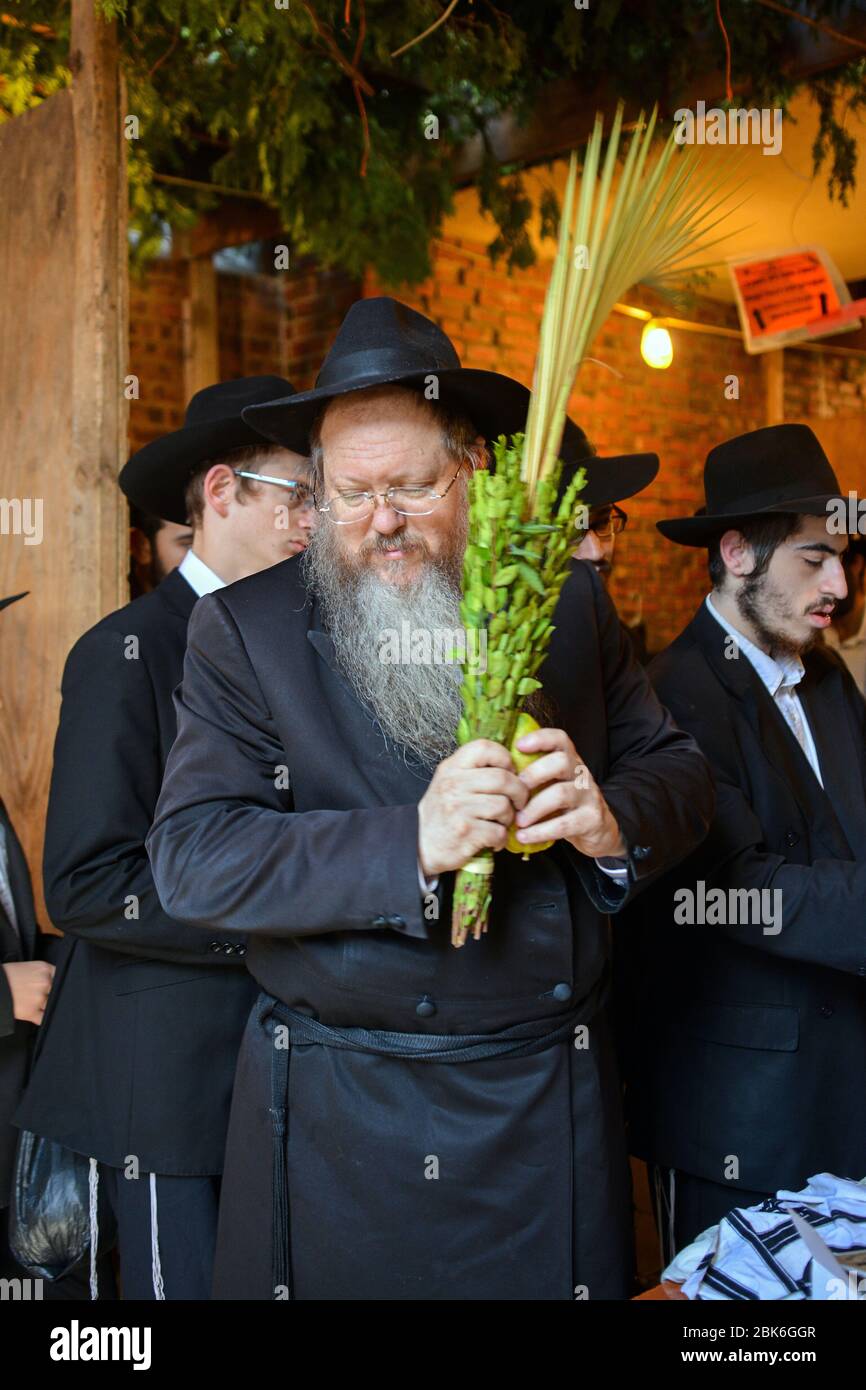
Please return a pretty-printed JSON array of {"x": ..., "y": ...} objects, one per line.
[
  {"x": 156, "y": 476},
  {"x": 496, "y": 404},
  {"x": 610, "y": 480},
  {"x": 702, "y": 530}
]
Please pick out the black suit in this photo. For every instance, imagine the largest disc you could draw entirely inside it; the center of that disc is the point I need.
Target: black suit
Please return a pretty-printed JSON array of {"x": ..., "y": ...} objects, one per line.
[
  {"x": 16, "y": 1037},
  {"x": 137, "y": 1052},
  {"x": 742, "y": 1041},
  {"x": 531, "y": 1191}
]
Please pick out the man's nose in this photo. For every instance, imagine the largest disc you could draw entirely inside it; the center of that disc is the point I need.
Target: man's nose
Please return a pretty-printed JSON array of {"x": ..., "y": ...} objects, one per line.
[
  {"x": 308, "y": 518},
  {"x": 385, "y": 520},
  {"x": 838, "y": 585}
]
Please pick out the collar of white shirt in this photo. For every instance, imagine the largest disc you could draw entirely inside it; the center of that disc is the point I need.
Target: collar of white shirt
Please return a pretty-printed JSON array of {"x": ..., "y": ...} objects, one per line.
[
  {"x": 199, "y": 576},
  {"x": 787, "y": 671}
]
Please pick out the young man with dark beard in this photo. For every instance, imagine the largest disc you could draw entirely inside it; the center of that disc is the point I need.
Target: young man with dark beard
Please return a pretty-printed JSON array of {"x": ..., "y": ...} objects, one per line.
[
  {"x": 746, "y": 1037},
  {"x": 411, "y": 1121}
]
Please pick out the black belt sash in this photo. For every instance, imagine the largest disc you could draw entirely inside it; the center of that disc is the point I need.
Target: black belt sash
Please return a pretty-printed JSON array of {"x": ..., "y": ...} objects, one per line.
[{"x": 521, "y": 1040}]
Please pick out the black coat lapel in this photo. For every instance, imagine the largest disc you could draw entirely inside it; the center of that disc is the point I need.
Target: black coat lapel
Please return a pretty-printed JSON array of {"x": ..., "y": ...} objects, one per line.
[
  {"x": 824, "y": 697},
  {"x": 177, "y": 594},
  {"x": 784, "y": 757}
]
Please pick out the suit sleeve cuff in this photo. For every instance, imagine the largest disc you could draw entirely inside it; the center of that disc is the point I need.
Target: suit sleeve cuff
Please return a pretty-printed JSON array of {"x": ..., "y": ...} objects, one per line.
[
  {"x": 616, "y": 869},
  {"x": 427, "y": 885}
]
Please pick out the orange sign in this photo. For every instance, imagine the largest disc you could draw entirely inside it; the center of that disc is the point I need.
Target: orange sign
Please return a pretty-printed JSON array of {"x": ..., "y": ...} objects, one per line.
[{"x": 780, "y": 297}]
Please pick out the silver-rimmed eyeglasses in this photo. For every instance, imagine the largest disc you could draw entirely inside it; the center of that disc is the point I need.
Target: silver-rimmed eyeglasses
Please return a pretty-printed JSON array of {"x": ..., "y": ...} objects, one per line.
[
  {"x": 346, "y": 507},
  {"x": 300, "y": 495}
]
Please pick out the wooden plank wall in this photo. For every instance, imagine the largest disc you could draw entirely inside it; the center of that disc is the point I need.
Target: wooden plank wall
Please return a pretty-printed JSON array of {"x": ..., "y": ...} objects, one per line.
[{"x": 62, "y": 408}]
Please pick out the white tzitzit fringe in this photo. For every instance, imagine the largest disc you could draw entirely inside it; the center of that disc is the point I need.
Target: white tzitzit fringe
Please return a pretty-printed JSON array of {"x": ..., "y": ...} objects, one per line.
[
  {"x": 92, "y": 1188},
  {"x": 158, "y": 1290}
]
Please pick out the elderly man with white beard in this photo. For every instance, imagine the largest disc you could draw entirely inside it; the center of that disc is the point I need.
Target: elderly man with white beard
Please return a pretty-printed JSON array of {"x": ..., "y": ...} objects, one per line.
[{"x": 411, "y": 1121}]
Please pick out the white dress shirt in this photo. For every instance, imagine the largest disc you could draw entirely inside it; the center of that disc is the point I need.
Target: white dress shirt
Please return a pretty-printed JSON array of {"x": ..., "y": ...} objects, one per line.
[
  {"x": 199, "y": 576},
  {"x": 781, "y": 678}
]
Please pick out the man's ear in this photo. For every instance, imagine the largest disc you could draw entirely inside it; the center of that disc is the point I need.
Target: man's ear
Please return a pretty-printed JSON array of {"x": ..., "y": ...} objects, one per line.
[
  {"x": 737, "y": 554},
  {"x": 220, "y": 488}
]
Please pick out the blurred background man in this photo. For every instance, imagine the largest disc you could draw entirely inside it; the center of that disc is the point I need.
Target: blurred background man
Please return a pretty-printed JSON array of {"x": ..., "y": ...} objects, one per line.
[
  {"x": 847, "y": 632},
  {"x": 598, "y": 515},
  {"x": 156, "y": 547}
]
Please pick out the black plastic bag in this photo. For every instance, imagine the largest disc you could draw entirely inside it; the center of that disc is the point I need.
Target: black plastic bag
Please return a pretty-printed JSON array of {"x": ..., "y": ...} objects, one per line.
[{"x": 49, "y": 1217}]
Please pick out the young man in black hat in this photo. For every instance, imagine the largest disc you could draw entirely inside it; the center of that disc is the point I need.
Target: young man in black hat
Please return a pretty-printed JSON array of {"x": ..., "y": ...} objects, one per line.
[
  {"x": 136, "y": 1058},
  {"x": 364, "y": 1161},
  {"x": 25, "y": 982},
  {"x": 746, "y": 968},
  {"x": 609, "y": 481}
]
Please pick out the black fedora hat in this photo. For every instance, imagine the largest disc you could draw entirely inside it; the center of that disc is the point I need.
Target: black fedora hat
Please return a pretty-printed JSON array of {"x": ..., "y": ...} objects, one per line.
[
  {"x": 778, "y": 469},
  {"x": 608, "y": 480},
  {"x": 13, "y": 598},
  {"x": 155, "y": 477},
  {"x": 383, "y": 342}
]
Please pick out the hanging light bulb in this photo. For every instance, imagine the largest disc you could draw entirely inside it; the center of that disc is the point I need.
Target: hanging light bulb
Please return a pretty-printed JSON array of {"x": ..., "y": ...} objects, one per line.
[{"x": 656, "y": 347}]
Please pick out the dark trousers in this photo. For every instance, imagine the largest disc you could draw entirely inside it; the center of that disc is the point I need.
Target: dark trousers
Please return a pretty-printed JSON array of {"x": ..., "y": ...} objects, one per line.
[
  {"x": 165, "y": 1247},
  {"x": 684, "y": 1206}
]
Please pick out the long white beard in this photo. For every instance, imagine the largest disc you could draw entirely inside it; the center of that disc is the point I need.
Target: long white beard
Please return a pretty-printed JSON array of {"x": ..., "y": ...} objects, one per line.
[{"x": 416, "y": 705}]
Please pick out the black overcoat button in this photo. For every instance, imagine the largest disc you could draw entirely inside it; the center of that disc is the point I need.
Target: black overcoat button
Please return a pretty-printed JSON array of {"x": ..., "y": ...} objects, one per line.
[
  {"x": 426, "y": 1009},
  {"x": 561, "y": 992}
]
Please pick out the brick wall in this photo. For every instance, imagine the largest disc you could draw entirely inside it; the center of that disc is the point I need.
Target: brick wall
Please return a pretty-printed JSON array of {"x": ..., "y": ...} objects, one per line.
[
  {"x": 285, "y": 324},
  {"x": 626, "y": 406},
  {"x": 156, "y": 351},
  {"x": 279, "y": 325}
]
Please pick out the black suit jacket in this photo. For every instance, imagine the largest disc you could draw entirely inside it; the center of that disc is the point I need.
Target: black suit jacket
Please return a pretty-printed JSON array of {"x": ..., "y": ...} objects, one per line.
[
  {"x": 137, "y": 1052},
  {"x": 16, "y": 1037},
  {"x": 742, "y": 1041},
  {"x": 323, "y": 874}
]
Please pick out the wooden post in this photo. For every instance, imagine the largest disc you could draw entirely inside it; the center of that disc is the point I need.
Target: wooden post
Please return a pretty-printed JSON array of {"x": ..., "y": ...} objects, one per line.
[
  {"x": 63, "y": 350},
  {"x": 200, "y": 327}
]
